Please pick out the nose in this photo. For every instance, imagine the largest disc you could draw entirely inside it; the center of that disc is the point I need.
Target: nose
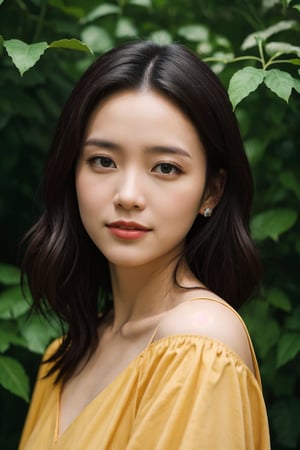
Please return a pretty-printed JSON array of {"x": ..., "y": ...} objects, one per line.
[{"x": 129, "y": 193}]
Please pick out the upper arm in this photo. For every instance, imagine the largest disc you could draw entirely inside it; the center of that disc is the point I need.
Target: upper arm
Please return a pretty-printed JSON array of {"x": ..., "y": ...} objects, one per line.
[
  {"x": 210, "y": 319},
  {"x": 195, "y": 394}
]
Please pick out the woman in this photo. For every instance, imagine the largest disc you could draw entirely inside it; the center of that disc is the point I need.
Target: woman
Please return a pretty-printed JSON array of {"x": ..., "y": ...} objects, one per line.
[{"x": 147, "y": 193}]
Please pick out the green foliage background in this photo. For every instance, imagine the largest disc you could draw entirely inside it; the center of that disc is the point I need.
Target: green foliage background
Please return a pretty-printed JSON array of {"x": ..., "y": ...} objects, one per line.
[{"x": 252, "y": 45}]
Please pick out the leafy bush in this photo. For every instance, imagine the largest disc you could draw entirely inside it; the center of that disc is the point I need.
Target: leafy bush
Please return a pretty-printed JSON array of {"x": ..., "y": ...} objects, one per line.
[{"x": 45, "y": 46}]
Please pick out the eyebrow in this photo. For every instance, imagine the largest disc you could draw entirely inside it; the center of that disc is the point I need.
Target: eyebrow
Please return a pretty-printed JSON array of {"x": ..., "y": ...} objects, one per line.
[
  {"x": 170, "y": 150},
  {"x": 157, "y": 149},
  {"x": 102, "y": 143}
]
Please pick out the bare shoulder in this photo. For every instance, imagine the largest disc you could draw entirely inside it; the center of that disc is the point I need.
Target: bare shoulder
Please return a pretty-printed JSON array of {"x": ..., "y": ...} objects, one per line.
[{"x": 211, "y": 318}]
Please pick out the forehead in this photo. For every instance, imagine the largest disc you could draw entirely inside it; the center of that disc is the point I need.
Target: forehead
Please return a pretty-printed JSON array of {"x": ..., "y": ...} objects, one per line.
[{"x": 141, "y": 114}]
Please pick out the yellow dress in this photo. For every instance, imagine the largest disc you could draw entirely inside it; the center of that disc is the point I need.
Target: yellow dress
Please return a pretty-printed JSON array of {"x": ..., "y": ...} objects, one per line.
[{"x": 183, "y": 392}]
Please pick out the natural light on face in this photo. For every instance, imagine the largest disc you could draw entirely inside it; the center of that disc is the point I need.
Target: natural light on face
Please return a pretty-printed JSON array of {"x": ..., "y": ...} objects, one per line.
[{"x": 140, "y": 178}]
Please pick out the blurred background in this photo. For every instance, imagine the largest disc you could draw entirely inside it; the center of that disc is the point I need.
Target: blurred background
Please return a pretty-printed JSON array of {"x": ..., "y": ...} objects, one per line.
[{"x": 253, "y": 47}]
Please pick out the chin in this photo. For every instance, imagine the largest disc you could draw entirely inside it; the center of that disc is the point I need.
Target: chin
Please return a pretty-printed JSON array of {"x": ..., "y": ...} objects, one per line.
[{"x": 125, "y": 260}]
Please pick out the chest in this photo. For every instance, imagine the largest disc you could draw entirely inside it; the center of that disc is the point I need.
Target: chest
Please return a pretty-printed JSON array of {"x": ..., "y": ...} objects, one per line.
[{"x": 107, "y": 363}]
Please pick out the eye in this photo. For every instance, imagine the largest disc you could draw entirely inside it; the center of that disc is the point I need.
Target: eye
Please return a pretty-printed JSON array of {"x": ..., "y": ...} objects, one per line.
[
  {"x": 102, "y": 162},
  {"x": 166, "y": 169}
]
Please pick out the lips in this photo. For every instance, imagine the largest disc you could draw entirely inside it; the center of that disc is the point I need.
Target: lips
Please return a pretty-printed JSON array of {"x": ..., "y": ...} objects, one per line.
[
  {"x": 124, "y": 225},
  {"x": 127, "y": 230}
]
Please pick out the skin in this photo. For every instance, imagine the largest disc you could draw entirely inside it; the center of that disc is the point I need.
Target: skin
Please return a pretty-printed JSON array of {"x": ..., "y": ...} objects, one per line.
[
  {"x": 125, "y": 133},
  {"x": 142, "y": 161}
]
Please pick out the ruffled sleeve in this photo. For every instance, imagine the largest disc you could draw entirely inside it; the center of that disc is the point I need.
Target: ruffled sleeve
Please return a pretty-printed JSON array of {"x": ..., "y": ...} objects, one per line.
[{"x": 196, "y": 394}]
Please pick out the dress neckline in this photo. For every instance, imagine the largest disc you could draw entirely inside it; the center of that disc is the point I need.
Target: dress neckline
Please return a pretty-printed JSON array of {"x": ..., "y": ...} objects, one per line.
[{"x": 152, "y": 344}]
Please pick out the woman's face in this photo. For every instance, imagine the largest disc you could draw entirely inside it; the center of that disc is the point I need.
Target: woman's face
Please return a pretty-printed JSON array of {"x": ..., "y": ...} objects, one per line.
[{"x": 140, "y": 178}]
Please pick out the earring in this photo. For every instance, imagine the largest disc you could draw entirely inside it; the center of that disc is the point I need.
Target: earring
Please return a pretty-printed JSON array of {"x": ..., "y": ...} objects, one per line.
[{"x": 207, "y": 212}]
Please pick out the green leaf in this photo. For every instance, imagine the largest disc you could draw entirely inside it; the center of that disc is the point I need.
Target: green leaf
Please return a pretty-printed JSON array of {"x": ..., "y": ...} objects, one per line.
[
  {"x": 194, "y": 33},
  {"x": 24, "y": 56},
  {"x": 38, "y": 332},
  {"x": 292, "y": 322},
  {"x": 220, "y": 57},
  {"x": 9, "y": 334},
  {"x": 1, "y": 1},
  {"x": 9, "y": 274},
  {"x": 279, "y": 299},
  {"x": 294, "y": 61},
  {"x": 297, "y": 7},
  {"x": 72, "y": 44},
  {"x": 262, "y": 326},
  {"x": 243, "y": 82},
  {"x": 279, "y": 82},
  {"x": 12, "y": 303},
  {"x": 288, "y": 348},
  {"x": 297, "y": 85},
  {"x": 221, "y": 41},
  {"x": 272, "y": 223},
  {"x": 255, "y": 149},
  {"x": 266, "y": 335},
  {"x": 97, "y": 38},
  {"x": 13, "y": 377},
  {"x": 71, "y": 10},
  {"x": 4, "y": 342},
  {"x": 282, "y": 48},
  {"x": 125, "y": 28},
  {"x": 289, "y": 180},
  {"x": 161, "y": 37},
  {"x": 267, "y": 4},
  {"x": 144, "y": 3},
  {"x": 251, "y": 40},
  {"x": 206, "y": 48},
  {"x": 101, "y": 11}
]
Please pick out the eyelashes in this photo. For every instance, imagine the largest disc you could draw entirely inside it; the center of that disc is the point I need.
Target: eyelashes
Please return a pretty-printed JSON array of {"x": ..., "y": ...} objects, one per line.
[
  {"x": 164, "y": 168},
  {"x": 102, "y": 162},
  {"x": 167, "y": 169}
]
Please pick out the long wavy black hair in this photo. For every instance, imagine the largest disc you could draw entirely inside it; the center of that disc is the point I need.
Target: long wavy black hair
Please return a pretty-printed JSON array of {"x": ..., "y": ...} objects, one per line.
[{"x": 64, "y": 268}]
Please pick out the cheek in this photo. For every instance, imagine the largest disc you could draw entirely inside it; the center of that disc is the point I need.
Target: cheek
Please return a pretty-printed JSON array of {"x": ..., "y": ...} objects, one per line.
[
  {"x": 88, "y": 198},
  {"x": 82, "y": 199},
  {"x": 183, "y": 203},
  {"x": 179, "y": 213}
]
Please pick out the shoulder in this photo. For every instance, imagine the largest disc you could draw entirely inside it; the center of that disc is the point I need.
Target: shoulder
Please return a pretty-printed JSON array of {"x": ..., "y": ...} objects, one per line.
[{"x": 212, "y": 318}]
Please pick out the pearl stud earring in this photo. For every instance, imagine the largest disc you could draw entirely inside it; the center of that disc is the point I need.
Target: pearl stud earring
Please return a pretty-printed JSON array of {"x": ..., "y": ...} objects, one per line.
[{"x": 207, "y": 212}]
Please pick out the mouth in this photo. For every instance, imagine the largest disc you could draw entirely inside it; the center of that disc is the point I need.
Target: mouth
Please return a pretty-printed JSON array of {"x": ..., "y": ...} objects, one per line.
[
  {"x": 127, "y": 230},
  {"x": 130, "y": 226}
]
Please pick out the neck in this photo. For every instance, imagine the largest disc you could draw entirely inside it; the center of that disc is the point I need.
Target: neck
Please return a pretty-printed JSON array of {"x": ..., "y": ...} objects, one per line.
[{"x": 146, "y": 291}]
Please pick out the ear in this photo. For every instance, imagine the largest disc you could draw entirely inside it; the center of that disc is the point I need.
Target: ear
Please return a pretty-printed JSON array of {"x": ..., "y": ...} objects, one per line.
[{"x": 213, "y": 193}]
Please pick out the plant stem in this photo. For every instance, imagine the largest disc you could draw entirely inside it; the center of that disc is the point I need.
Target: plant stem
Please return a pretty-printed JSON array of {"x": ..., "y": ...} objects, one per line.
[
  {"x": 278, "y": 61},
  {"x": 261, "y": 53},
  {"x": 233, "y": 60}
]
